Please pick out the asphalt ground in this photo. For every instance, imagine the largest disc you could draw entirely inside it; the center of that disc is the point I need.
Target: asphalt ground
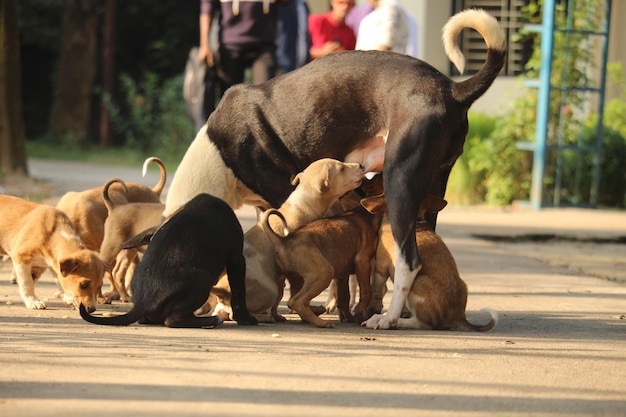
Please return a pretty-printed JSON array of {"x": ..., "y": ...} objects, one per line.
[{"x": 555, "y": 276}]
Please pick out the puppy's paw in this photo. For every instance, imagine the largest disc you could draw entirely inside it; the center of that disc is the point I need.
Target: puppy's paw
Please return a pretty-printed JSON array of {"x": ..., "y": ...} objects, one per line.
[
  {"x": 246, "y": 320},
  {"x": 34, "y": 303}
]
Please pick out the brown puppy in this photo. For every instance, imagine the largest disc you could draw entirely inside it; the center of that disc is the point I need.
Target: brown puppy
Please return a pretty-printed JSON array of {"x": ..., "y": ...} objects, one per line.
[
  {"x": 87, "y": 211},
  {"x": 36, "y": 235},
  {"x": 438, "y": 297},
  {"x": 333, "y": 247},
  {"x": 122, "y": 223},
  {"x": 317, "y": 188}
]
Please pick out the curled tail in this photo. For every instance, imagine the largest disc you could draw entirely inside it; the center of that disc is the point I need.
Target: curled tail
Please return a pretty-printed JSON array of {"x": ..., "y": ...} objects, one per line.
[
  {"x": 105, "y": 193},
  {"x": 469, "y": 327},
  {"x": 274, "y": 237},
  {"x": 466, "y": 92},
  {"x": 122, "y": 320},
  {"x": 158, "y": 188}
]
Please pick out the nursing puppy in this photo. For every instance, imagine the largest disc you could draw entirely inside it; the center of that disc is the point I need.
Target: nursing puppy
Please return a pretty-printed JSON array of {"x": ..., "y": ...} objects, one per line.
[
  {"x": 378, "y": 109},
  {"x": 87, "y": 211},
  {"x": 318, "y": 187},
  {"x": 328, "y": 248},
  {"x": 438, "y": 297},
  {"x": 184, "y": 259},
  {"x": 36, "y": 236},
  {"x": 123, "y": 222}
]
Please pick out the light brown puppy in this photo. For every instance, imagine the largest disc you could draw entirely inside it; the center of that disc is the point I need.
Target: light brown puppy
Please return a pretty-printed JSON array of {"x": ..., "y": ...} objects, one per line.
[
  {"x": 87, "y": 211},
  {"x": 123, "y": 222},
  {"x": 36, "y": 235},
  {"x": 328, "y": 248},
  {"x": 438, "y": 297},
  {"x": 317, "y": 188}
]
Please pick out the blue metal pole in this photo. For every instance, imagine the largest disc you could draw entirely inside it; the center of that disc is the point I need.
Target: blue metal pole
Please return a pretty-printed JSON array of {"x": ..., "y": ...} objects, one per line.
[{"x": 543, "y": 105}]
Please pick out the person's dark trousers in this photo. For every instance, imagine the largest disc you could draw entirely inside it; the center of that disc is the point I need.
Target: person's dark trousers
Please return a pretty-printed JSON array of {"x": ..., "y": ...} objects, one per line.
[{"x": 233, "y": 65}]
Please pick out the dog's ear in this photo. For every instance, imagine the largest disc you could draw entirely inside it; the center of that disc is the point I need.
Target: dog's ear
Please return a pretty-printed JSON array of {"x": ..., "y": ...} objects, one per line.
[
  {"x": 375, "y": 204},
  {"x": 323, "y": 180},
  {"x": 68, "y": 265},
  {"x": 141, "y": 239},
  {"x": 295, "y": 180},
  {"x": 432, "y": 204}
]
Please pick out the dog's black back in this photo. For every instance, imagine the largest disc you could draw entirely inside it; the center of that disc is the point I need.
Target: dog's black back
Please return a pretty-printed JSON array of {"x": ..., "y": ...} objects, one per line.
[{"x": 184, "y": 260}]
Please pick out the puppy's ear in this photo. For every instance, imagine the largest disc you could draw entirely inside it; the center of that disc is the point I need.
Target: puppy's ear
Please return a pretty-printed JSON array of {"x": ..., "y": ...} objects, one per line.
[
  {"x": 376, "y": 204},
  {"x": 432, "y": 204},
  {"x": 141, "y": 239},
  {"x": 68, "y": 265},
  {"x": 323, "y": 180},
  {"x": 295, "y": 180}
]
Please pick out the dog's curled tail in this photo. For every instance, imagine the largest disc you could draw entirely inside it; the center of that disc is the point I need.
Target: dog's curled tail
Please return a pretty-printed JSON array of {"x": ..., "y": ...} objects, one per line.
[
  {"x": 158, "y": 188},
  {"x": 469, "y": 327},
  {"x": 274, "y": 237},
  {"x": 468, "y": 91},
  {"x": 108, "y": 203},
  {"x": 122, "y": 320}
]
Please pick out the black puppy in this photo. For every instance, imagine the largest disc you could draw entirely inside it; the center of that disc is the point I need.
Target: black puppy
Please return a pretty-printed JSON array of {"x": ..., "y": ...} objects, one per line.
[{"x": 183, "y": 262}]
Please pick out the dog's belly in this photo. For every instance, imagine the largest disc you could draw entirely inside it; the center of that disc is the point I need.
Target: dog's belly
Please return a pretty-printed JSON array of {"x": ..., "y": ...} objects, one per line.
[{"x": 372, "y": 155}]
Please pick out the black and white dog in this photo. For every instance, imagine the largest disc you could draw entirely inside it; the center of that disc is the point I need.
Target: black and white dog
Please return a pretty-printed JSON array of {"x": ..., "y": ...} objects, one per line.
[
  {"x": 185, "y": 258},
  {"x": 382, "y": 110}
]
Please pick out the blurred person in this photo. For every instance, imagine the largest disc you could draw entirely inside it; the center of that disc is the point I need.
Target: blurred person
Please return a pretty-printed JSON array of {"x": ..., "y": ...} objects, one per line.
[
  {"x": 247, "y": 31},
  {"x": 386, "y": 28},
  {"x": 292, "y": 44},
  {"x": 329, "y": 32}
]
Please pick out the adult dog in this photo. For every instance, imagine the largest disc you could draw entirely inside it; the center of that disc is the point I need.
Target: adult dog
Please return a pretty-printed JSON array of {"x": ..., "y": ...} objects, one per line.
[
  {"x": 378, "y": 109},
  {"x": 184, "y": 259}
]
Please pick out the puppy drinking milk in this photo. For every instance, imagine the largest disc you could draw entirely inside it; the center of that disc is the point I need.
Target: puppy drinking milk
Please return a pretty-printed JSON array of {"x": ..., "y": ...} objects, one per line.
[
  {"x": 36, "y": 236},
  {"x": 385, "y": 111},
  {"x": 438, "y": 297},
  {"x": 328, "y": 248},
  {"x": 184, "y": 260}
]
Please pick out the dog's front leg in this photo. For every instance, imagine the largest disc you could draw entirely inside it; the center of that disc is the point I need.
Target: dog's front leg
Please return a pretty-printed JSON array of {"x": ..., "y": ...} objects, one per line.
[
  {"x": 27, "y": 286},
  {"x": 403, "y": 280}
]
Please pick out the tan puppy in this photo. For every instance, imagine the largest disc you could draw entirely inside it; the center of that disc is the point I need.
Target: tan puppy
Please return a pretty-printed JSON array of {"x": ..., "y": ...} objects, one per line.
[
  {"x": 317, "y": 188},
  {"x": 438, "y": 297},
  {"x": 87, "y": 211},
  {"x": 123, "y": 222},
  {"x": 328, "y": 248},
  {"x": 36, "y": 235}
]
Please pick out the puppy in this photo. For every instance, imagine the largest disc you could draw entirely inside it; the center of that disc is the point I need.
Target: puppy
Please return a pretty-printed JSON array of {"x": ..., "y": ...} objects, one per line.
[
  {"x": 184, "y": 259},
  {"x": 438, "y": 297},
  {"x": 123, "y": 222},
  {"x": 333, "y": 247},
  {"x": 36, "y": 236},
  {"x": 87, "y": 211},
  {"x": 385, "y": 111},
  {"x": 318, "y": 187}
]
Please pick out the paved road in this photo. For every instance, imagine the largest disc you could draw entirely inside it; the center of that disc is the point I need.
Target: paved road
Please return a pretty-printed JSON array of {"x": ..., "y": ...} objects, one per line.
[{"x": 558, "y": 350}]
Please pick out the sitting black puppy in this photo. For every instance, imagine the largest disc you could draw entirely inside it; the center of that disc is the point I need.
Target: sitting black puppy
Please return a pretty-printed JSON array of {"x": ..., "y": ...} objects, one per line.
[{"x": 184, "y": 260}]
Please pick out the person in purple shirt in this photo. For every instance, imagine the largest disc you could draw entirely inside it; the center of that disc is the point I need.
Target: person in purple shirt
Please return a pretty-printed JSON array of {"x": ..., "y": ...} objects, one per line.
[
  {"x": 354, "y": 17},
  {"x": 246, "y": 36}
]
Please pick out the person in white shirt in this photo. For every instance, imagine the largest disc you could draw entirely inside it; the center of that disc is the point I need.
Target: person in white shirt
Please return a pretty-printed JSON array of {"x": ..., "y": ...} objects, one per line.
[{"x": 386, "y": 28}]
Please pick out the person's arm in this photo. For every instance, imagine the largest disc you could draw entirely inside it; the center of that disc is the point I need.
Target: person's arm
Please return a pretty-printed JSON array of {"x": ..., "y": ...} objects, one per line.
[{"x": 205, "y": 52}]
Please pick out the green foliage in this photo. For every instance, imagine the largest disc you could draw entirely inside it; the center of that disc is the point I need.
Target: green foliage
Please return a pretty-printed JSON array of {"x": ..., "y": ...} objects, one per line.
[{"x": 153, "y": 116}]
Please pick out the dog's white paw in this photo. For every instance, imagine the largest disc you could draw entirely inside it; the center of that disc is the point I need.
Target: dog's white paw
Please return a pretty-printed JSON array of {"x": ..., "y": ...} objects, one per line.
[
  {"x": 34, "y": 303},
  {"x": 68, "y": 300},
  {"x": 379, "y": 321}
]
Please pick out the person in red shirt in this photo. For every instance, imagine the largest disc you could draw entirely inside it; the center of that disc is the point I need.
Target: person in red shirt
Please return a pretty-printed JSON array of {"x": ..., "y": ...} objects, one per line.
[{"x": 329, "y": 32}]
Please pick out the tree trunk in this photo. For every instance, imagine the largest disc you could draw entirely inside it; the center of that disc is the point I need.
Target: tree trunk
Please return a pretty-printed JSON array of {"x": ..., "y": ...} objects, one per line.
[
  {"x": 12, "y": 136},
  {"x": 108, "y": 69},
  {"x": 71, "y": 110}
]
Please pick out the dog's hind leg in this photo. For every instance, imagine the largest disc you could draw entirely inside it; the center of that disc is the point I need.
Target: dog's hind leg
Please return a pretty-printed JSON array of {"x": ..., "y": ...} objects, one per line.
[{"x": 236, "y": 270}]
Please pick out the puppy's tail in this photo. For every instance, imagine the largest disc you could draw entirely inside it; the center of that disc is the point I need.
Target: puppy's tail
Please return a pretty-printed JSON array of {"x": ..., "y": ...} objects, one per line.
[
  {"x": 122, "y": 320},
  {"x": 274, "y": 237},
  {"x": 466, "y": 92},
  {"x": 469, "y": 327},
  {"x": 105, "y": 193},
  {"x": 158, "y": 188}
]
